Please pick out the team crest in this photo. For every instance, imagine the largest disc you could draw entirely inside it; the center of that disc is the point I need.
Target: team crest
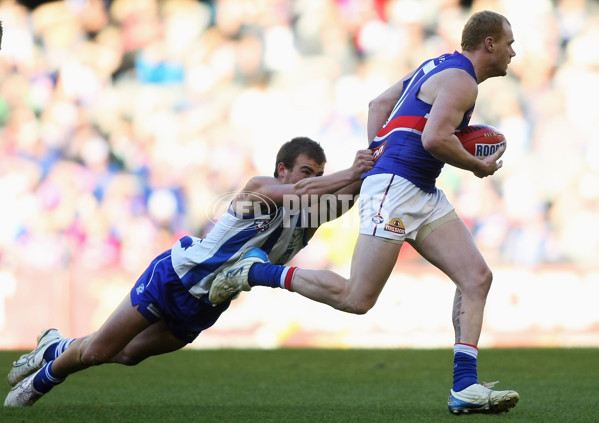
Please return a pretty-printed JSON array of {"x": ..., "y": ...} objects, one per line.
[
  {"x": 396, "y": 226},
  {"x": 377, "y": 219},
  {"x": 261, "y": 225}
]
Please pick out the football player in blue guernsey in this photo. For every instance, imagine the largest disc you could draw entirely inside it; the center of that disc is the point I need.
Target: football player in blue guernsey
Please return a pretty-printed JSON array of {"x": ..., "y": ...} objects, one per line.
[
  {"x": 412, "y": 128},
  {"x": 168, "y": 306}
]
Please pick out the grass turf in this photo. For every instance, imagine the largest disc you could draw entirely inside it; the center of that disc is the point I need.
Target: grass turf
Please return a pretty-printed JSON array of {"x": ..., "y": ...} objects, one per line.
[{"x": 315, "y": 385}]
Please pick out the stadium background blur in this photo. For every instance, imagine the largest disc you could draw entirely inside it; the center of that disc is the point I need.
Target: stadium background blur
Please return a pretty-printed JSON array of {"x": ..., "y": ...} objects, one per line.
[{"x": 125, "y": 124}]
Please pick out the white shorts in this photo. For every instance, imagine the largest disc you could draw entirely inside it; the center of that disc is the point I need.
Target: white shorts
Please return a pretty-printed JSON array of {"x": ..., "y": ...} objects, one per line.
[{"x": 393, "y": 208}]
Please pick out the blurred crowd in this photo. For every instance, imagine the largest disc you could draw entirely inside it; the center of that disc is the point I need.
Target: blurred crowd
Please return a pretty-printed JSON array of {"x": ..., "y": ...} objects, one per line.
[{"x": 122, "y": 123}]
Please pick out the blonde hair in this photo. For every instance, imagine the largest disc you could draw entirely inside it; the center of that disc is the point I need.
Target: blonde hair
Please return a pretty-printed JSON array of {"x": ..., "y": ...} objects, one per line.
[{"x": 480, "y": 26}]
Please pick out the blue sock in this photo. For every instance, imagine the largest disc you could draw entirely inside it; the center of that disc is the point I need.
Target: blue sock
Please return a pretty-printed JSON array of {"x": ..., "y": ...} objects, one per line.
[
  {"x": 54, "y": 350},
  {"x": 464, "y": 366},
  {"x": 45, "y": 379},
  {"x": 273, "y": 275}
]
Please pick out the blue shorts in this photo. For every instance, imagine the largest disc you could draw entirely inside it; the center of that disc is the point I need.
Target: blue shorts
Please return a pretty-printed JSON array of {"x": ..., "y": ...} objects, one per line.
[{"x": 160, "y": 294}]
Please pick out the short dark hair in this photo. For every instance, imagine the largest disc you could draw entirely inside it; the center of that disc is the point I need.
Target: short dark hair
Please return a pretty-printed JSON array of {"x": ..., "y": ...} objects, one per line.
[
  {"x": 299, "y": 145},
  {"x": 480, "y": 26},
  {"x": 1, "y": 33}
]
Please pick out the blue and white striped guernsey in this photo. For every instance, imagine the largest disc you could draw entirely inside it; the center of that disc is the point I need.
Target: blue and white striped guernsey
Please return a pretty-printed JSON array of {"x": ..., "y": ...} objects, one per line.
[{"x": 197, "y": 261}]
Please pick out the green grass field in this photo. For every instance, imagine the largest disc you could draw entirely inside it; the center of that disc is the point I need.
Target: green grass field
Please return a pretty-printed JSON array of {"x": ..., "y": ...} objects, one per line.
[{"x": 297, "y": 385}]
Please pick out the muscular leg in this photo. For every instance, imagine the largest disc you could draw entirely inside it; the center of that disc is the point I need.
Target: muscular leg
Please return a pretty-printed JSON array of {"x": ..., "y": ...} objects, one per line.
[
  {"x": 121, "y": 339},
  {"x": 372, "y": 263},
  {"x": 451, "y": 248},
  {"x": 154, "y": 340}
]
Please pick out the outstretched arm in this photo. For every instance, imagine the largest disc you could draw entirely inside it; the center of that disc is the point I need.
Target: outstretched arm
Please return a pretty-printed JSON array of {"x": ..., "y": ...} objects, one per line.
[{"x": 271, "y": 191}]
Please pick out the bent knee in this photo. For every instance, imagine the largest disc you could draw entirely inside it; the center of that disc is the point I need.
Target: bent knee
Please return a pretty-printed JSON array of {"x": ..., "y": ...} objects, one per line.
[
  {"x": 92, "y": 354},
  {"x": 127, "y": 361},
  {"x": 479, "y": 282},
  {"x": 486, "y": 278},
  {"x": 94, "y": 358}
]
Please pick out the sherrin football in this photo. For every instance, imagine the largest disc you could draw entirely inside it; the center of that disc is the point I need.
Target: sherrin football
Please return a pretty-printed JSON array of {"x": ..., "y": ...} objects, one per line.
[{"x": 481, "y": 140}]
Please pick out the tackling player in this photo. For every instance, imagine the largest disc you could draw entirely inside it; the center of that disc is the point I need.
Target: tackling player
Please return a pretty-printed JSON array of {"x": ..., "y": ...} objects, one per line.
[{"x": 168, "y": 307}]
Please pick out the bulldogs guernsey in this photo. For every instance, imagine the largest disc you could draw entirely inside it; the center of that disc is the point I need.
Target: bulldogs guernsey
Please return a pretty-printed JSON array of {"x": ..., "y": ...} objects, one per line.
[
  {"x": 397, "y": 148},
  {"x": 197, "y": 261}
]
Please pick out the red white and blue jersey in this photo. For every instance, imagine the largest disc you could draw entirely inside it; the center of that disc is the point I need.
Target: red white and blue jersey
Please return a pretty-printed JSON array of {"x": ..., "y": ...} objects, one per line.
[
  {"x": 397, "y": 147},
  {"x": 197, "y": 261}
]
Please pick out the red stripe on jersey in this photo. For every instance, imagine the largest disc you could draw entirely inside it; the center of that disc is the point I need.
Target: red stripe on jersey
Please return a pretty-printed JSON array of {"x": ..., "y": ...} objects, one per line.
[{"x": 409, "y": 122}]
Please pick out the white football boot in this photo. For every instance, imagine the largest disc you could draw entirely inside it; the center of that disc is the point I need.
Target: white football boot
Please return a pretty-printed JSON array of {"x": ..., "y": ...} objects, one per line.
[
  {"x": 481, "y": 399},
  {"x": 234, "y": 279},
  {"x": 23, "y": 395},
  {"x": 33, "y": 361}
]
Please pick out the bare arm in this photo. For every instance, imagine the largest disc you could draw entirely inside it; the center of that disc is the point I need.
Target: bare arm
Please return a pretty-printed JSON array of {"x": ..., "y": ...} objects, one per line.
[
  {"x": 452, "y": 93},
  {"x": 380, "y": 108},
  {"x": 271, "y": 191}
]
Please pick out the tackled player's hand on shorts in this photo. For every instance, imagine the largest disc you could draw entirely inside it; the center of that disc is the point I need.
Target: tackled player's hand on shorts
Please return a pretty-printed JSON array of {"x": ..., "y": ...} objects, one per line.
[{"x": 363, "y": 162}]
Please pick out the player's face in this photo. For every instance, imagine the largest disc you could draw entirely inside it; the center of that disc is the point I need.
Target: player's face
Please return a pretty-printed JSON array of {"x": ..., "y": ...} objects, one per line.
[
  {"x": 304, "y": 167},
  {"x": 504, "y": 50}
]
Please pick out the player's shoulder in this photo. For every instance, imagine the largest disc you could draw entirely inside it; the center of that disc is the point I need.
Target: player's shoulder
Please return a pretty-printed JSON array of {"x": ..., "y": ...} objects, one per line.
[
  {"x": 452, "y": 82},
  {"x": 454, "y": 59},
  {"x": 456, "y": 63},
  {"x": 458, "y": 75},
  {"x": 457, "y": 80}
]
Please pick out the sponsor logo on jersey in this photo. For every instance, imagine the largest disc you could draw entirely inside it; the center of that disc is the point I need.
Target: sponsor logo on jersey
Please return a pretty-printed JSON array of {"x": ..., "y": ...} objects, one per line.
[
  {"x": 378, "y": 151},
  {"x": 377, "y": 219},
  {"x": 396, "y": 226}
]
